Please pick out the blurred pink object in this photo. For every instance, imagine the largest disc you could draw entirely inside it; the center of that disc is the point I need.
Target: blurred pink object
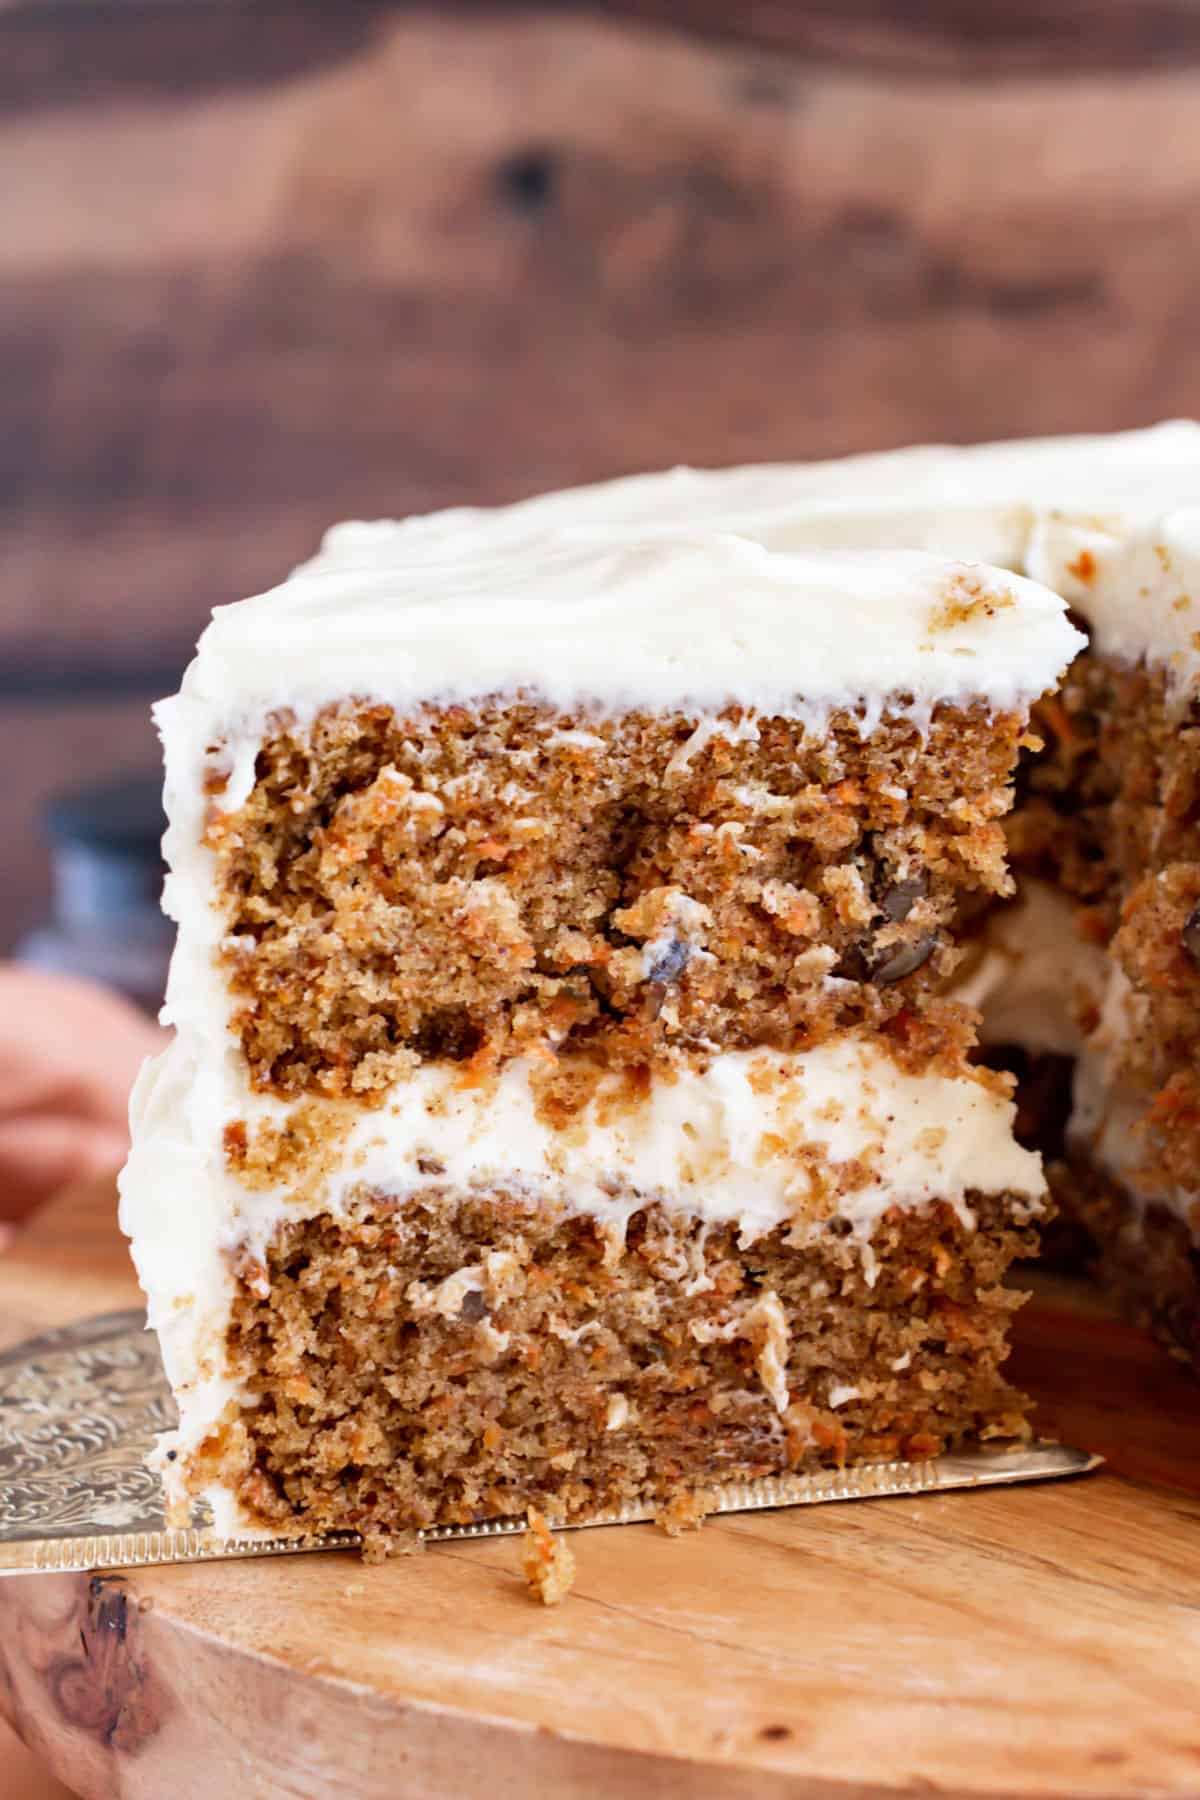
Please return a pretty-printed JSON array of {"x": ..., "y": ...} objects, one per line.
[{"x": 69, "y": 1052}]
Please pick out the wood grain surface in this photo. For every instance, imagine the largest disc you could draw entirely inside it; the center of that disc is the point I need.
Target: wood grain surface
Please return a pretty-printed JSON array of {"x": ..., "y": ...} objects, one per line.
[
  {"x": 1038, "y": 1641},
  {"x": 941, "y": 35}
]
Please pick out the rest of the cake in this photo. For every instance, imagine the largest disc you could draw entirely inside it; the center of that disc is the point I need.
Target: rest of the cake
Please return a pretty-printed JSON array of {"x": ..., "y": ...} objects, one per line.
[{"x": 567, "y": 1106}]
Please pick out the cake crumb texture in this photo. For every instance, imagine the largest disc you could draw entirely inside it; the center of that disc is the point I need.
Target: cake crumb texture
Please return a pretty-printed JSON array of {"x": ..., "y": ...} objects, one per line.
[
  {"x": 547, "y": 1563},
  {"x": 464, "y": 1356},
  {"x": 474, "y": 883}
]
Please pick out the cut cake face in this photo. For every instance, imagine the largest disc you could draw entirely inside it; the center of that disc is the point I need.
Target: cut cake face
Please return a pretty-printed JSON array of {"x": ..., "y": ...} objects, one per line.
[{"x": 570, "y": 1102}]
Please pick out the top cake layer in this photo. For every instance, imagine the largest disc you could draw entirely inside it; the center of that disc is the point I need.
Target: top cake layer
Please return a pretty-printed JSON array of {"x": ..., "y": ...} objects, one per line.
[
  {"x": 639, "y": 797},
  {"x": 655, "y": 791}
]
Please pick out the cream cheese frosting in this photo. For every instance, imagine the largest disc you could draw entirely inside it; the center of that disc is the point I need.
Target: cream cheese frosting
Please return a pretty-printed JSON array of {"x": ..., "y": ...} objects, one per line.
[
  {"x": 697, "y": 622},
  {"x": 1128, "y": 498},
  {"x": 1038, "y": 984},
  {"x": 1138, "y": 587},
  {"x": 755, "y": 1139},
  {"x": 1031, "y": 975},
  {"x": 981, "y": 501}
]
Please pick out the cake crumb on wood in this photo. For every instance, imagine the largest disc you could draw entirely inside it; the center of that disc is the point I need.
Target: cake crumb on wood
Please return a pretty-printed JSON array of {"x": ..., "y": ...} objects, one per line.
[
  {"x": 683, "y": 1512},
  {"x": 547, "y": 1564},
  {"x": 380, "y": 1546}
]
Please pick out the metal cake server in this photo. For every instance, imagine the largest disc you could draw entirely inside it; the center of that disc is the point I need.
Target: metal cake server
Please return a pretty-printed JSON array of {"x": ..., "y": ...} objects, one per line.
[{"x": 80, "y": 1408}]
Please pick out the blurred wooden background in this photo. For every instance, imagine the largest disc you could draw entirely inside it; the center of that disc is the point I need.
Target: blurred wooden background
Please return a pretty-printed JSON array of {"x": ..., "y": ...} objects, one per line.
[{"x": 263, "y": 266}]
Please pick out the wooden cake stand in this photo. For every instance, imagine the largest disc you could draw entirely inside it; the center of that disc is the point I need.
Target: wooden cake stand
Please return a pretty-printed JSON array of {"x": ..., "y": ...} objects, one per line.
[{"x": 1022, "y": 1641}]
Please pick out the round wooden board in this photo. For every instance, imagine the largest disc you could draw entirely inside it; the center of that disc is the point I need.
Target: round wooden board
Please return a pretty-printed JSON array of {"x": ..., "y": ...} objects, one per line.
[{"x": 1040, "y": 1640}]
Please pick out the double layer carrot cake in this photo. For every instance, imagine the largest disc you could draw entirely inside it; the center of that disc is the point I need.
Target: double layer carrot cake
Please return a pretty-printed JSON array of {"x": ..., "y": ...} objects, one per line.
[
  {"x": 569, "y": 1105},
  {"x": 1090, "y": 988}
]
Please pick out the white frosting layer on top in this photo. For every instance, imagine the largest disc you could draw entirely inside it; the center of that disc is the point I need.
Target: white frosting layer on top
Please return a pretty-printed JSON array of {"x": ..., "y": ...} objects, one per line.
[
  {"x": 1137, "y": 584},
  {"x": 662, "y": 622},
  {"x": 1030, "y": 505},
  {"x": 756, "y": 1139},
  {"x": 981, "y": 502}
]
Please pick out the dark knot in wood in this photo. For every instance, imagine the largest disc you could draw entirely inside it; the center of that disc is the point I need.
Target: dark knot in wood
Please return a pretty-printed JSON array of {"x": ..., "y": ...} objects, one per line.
[
  {"x": 528, "y": 179},
  {"x": 104, "y": 1691}
]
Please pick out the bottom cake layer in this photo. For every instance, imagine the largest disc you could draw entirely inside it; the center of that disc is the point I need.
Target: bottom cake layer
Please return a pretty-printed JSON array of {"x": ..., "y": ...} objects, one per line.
[{"x": 453, "y": 1357}]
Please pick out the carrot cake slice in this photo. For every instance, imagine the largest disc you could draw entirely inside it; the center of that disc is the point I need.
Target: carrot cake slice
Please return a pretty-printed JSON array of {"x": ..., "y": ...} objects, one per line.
[
  {"x": 566, "y": 1107},
  {"x": 1102, "y": 1027}
]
